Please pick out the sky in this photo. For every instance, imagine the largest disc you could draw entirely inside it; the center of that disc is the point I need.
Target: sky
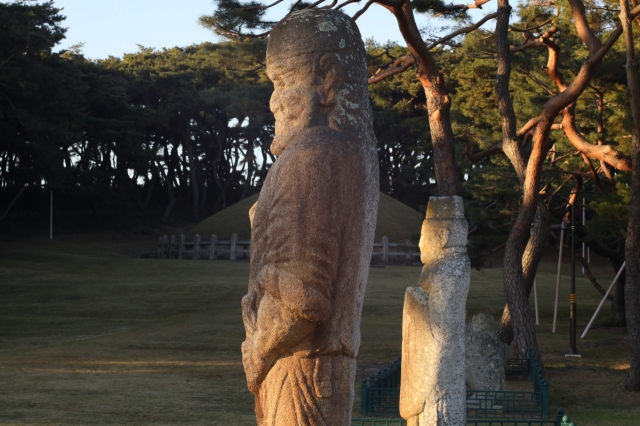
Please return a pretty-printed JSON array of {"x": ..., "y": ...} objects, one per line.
[{"x": 114, "y": 27}]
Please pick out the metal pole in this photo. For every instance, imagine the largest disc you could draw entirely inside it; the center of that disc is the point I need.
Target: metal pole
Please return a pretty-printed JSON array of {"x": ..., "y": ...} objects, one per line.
[
  {"x": 51, "y": 216},
  {"x": 584, "y": 218},
  {"x": 593, "y": 318},
  {"x": 555, "y": 308},
  {"x": 573, "y": 351},
  {"x": 535, "y": 301}
]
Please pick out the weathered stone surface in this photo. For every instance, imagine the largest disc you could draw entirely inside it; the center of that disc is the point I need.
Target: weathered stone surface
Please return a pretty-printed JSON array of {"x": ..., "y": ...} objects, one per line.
[
  {"x": 485, "y": 355},
  {"x": 432, "y": 391},
  {"x": 313, "y": 225}
]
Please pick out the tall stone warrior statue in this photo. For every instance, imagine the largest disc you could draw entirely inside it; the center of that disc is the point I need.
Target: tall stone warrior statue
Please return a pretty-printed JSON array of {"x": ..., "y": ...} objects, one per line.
[
  {"x": 432, "y": 385},
  {"x": 313, "y": 225}
]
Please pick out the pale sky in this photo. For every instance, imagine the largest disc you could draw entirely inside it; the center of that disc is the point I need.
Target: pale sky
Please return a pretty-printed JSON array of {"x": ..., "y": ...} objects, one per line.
[{"x": 114, "y": 27}]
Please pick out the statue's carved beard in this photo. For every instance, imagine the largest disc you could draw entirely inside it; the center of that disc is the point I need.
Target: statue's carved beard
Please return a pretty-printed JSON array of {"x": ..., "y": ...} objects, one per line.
[{"x": 281, "y": 142}]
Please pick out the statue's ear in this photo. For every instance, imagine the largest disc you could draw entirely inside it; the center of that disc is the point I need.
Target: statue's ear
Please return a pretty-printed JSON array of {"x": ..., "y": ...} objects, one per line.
[
  {"x": 329, "y": 78},
  {"x": 443, "y": 237}
]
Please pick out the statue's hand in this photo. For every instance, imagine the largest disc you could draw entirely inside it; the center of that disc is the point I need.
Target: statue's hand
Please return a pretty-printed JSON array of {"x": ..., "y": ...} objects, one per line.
[{"x": 256, "y": 367}]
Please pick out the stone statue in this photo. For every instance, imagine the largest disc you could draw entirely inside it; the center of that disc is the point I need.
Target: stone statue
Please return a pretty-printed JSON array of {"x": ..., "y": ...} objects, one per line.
[
  {"x": 432, "y": 385},
  {"x": 486, "y": 357},
  {"x": 313, "y": 225}
]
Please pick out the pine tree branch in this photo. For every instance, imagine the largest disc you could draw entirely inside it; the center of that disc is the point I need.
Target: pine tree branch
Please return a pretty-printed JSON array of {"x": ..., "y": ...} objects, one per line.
[
  {"x": 361, "y": 11},
  {"x": 398, "y": 66},
  {"x": 534, "y": 41},
  {"x": 604, "y": 153},
  {"x": 476, "y": 5},
  {"x": 474, "y": 158},
  {"x": 592, "y": 278},
  {"x": 464, "y": 30},
  {"x": 527, "y": 30}
]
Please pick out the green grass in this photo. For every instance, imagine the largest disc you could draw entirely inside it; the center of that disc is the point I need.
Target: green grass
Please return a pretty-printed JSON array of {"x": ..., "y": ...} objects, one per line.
[
  {"x": 90, "y": 334},
  {"x": 395, "y": 220}
]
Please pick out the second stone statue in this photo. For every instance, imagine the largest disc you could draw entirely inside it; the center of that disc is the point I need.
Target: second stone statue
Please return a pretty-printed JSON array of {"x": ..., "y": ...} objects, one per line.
[
  {"x": 432, "y": 387},
  {"x": 313, "y": 225}
]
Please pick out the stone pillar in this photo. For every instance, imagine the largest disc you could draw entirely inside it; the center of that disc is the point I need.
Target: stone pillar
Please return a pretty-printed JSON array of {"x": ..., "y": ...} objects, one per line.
[
  {"x": 213, "y": 240},
  {"x": 232, "y": 249},
  {"x": 432, "y": 391},
  {"x": 171, "y": 246},
  {"x": 196, "y": 247},
  {"x": 165, "y": 243},
  {"x": 385, "y": 250},
  {"x": 181, "y": 248}
]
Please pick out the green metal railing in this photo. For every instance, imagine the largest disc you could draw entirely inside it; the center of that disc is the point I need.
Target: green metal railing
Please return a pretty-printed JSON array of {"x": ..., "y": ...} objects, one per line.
[
  {"x": 380, "y": 396},
  {"x": 560, "y": 420},
  {"x": 498, "y": 405},
  {"x": 378, "y": 422},
  {"x": 517, "y": 367}
]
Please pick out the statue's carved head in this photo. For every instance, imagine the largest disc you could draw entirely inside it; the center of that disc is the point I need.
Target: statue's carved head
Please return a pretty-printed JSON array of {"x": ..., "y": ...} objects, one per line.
[
  {"x": 317, "y": 62},
  {"x": 444, "y": 230}
]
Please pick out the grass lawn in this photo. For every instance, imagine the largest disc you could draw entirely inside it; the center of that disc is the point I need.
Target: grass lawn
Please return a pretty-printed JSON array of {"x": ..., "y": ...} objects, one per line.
[{"x": 89, "y": 334}]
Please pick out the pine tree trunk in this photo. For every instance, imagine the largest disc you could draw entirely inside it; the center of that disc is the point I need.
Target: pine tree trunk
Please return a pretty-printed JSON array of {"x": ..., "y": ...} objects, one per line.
[
  {"x": 193, "y": 170},
  {"x": 444, "y": 158},
  {"x": 438, "y": 103},
  {"x": 632, "y": 246},
  {"x": 530, "y": 260},
  {"x": 518, "y": 284},
  {"x": 618, "y": 315}
]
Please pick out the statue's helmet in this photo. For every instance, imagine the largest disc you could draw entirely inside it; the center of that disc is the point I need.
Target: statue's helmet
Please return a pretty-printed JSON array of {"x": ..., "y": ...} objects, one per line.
[{"x": 315, "y": 32}]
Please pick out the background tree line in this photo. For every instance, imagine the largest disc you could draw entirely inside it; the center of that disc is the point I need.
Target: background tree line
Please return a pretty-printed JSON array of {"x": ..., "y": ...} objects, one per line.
[
  {"x": 186, "y": 131},
  {"x": 153, "y": 130}
]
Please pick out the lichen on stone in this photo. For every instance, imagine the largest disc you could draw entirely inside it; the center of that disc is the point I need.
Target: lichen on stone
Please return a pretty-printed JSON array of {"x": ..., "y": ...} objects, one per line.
[{"x": 327, "y": 26}]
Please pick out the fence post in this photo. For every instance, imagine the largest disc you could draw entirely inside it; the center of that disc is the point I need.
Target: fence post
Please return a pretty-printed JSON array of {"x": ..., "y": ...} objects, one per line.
[
  {"x": 196, "y": 247},
  {"x": 385, "y": 249},
  {"x": 159, "y": 247},
  {"x": 213, "y": 240},
  {"x": 181, "y": 248},
  {"x": 171, "y": 246},
  {"x": 559, "y": 416},
  {"x": 545, "y": 399},
  {"x": 165, "y": 242},
  {"x": 363, "y": 398},
  {"x": 232, "y": 250}
]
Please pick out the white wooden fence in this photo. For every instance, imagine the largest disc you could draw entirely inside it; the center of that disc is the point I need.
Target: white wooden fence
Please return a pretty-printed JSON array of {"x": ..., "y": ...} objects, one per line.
[
  {"x": 211, "y": 249},
  {"x": 170, "y": 247}
]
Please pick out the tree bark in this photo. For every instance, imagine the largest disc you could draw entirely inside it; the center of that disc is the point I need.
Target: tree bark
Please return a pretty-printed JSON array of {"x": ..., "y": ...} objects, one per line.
[
  {"x": 530, "y": 260},
  {"x": 524, "y": 336},
  {"x": 172, "y": 200},
  {"x": 632, "y": 246},
  {"x": 193, "y": 170},
  {"x": 6, "y": 211},
  {"x": 517, "y": 286},
  {"x": 438, "y": 102}
]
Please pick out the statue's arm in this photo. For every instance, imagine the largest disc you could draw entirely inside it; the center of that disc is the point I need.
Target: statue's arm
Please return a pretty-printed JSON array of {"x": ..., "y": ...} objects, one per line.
[{"x": 297, "y": 278}]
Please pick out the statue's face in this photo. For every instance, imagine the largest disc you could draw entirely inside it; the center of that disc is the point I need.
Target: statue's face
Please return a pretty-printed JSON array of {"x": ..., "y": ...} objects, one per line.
[
  {"x": 293, "y": 101},
  {"x": 432, "y": 238},
  {"x": 438, "y": 235}
]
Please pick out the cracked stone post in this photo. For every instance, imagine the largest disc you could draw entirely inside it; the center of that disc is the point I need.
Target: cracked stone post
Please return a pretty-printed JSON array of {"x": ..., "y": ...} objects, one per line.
[
  {"x": 432, "y": 390},
  {"x": 313, "y": 225}
]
